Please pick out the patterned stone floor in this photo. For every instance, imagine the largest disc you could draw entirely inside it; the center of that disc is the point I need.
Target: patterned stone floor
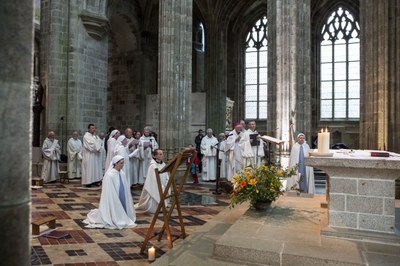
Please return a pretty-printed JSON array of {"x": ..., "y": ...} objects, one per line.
[{"x": 69, "y": 204}]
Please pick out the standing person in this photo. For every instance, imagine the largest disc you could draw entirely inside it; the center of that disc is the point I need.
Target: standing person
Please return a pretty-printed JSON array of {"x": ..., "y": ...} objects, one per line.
[
  {"x": 193, "y": 170},
  {"x": 130, "y": 145},
  {"x": 91, "y": 162},
  {"x": 257, "y": 145},
  {"x": 209, "y": 156},
  {"x": 150, "y": 197},
  {"x": 198, "y": 140},
  {"x": 74, "y": 148},
  {"x": 103, "y": 152},
  {"x": 122, "y": 150},
  {"x": 111, "y": 142},
  {"x": 237, "y": 150},
  {"x": 135, "y": 159},
  {"x": 300, "y": 150},
  {"x": 51, "y": 151},
  {"x": 110, "y": 129},
  {"x": 116, "y": 209},
  {"x": 221, "y": 156},
  {"x": 147, "y": 145}
]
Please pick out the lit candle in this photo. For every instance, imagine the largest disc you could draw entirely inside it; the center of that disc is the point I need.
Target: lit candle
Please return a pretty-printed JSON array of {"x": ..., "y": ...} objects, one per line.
[
  {"x": 323, "y": 141},
  {"x": 152, "y": 254}
]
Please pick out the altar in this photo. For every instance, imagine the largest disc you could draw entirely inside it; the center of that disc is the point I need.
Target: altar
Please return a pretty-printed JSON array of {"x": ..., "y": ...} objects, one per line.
[{"x": 361, "y": 189}]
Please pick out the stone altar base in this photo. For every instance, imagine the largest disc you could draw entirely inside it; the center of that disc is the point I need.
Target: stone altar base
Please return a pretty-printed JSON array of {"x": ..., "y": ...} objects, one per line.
[{"x": 289, "y": 233}]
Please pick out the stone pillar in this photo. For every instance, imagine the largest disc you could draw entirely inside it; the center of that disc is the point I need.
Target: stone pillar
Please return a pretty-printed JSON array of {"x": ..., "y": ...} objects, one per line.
[
  {"x": 16, "y": 112},
  {"x": 380, "y": 97},
  {"x": 174, "y": 74},
  {"x": 216, "y": 74},
  {"x": 289, "y": 47}
]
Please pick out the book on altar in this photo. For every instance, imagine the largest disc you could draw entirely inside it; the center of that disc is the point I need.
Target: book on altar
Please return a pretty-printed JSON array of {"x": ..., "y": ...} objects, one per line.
[{"x": 56, "y": 234}]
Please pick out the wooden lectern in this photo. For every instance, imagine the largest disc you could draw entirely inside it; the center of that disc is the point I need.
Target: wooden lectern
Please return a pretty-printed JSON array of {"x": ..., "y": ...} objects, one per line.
[
  {"x": 171, "y": 168},
  {"x": 272, "y": 140}
]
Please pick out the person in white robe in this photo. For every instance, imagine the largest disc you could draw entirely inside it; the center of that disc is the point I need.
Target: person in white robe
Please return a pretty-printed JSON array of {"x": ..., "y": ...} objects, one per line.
[
  {"x": 122, "y": 150},
  {"x": 74, "y": 149},
  {"x": 150, "y": 197},
  {"x": 51, "y": 151},
  {"x": 116, "y": 210},
  {"x": 237, "y": 150},
  {"x": 258, "y": 150},
  {"x": 209, "y": 151},
  {"x": 111, "y": 142},
  {"x": 147, "y": 145},
  {"x": 134, "y": 156},
  {"x": 304, "y": 180},
  {"x": 221, "y": 156},
  {"x": 131, "y": 146},
  {"x": 103, "y": 152},
  {"x": 92, "y": 172}
]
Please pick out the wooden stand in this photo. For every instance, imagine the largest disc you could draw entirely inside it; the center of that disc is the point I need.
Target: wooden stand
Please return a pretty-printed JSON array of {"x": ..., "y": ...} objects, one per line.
[
  {"x": 171, "y": 168},
  {"x": 49, "y": 220}
]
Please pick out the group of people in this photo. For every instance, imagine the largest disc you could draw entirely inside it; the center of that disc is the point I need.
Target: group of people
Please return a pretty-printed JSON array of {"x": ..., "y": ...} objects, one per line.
[{"x": 240, "y": 148}]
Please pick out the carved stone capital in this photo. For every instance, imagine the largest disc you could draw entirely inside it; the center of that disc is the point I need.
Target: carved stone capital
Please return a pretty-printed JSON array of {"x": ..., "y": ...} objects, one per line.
[{"x": 97, "y": 26}]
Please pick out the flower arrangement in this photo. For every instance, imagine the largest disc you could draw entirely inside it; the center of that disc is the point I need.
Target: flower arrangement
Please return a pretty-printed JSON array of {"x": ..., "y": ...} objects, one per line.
[{"x": 261, "y": 184}]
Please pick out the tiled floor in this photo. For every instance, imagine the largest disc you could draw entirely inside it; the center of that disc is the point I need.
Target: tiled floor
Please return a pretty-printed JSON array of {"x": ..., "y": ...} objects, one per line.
[{"x": 70, "y": 204}]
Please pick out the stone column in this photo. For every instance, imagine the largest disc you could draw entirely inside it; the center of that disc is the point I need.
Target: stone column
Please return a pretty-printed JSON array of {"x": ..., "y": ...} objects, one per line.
[
  {"x": 174, "y": 74},
  {"x": 16, "y": 112},
  {"x": 380, "y": 97},
  {"x": 289, "y": 46},
  {"x": 216, "y": 74}
]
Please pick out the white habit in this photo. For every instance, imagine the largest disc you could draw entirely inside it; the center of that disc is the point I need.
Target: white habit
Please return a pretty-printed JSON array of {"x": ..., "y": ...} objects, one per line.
[
  {"x": 111, "y": 213},
  {"x": 51, "y": 153},
  {"x": 146, "y": 147},
  {"x": 133, "y": 174},
  {"x": 209, "y": 158},
  {"x": 239, "y": 153},
  {"x": 294, "y": 159},
  {"x": 223, "y": 159},
  {"x": 150, "y": 197},
  {"x": 91, "y": 162},
  {"x": 123, "y": 151},
  {"x": 111, "y": 142},
  {"x": 103, "y": 155},
  {"x": 258, "y": 151},
  {"x": 74, "y": 148}
]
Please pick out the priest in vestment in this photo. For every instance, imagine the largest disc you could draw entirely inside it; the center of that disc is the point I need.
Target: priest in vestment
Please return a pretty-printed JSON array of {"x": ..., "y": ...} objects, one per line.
[
  {"x": 51, "y": 151},
  {"x": 131, "y": 146},
  {"x": 122, "y": 150},
  {"x": 111, "y": 142},
  {"x": 305, "y": 178},
  {"x": 209, "y": 151},
  {"x": 116, "y": 210},
  {"x": 134, "y": 146},
  {"x": 147, "y": 144},
  {"x": 221, "y": 156},
  {"x": 237, "y": 150},
  {"x": 256, "y": 144},
  {"x": 74, "y": 148},
  {"x": 103, "y": 152},
  {"x": 150, "y": 197},
  {"x": 92, "y": 172}
]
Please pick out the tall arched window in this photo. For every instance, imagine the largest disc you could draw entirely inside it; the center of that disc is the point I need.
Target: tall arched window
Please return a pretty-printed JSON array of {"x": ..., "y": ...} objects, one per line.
[
  {"x": 340, "y": 67},
  {"x": 256, "y": 62}
]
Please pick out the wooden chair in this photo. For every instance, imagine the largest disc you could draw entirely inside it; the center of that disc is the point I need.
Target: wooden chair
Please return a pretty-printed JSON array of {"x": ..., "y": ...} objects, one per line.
[{"x": 171, "y": 168}]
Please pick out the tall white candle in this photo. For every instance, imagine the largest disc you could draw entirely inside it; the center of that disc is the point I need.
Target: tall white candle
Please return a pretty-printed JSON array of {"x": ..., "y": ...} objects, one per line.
[
  {"x": 151, "y": 254},
  {"x": 323, "y": 141}
]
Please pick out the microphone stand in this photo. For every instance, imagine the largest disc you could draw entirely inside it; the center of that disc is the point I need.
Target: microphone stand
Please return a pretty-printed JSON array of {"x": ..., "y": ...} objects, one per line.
[{"x": 217, "y": 192}]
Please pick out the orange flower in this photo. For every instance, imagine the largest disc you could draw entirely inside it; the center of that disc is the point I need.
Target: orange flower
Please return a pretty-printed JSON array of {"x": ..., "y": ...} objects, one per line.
[
  {"x": 243, "y": 183},
  {"x": 280, "y": 172}
]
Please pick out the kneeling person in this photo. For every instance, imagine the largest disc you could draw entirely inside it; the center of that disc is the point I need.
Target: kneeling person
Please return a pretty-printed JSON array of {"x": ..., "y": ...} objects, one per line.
[
  {"x": 150, "y": 197},
  {"x": 116, "y": 209}
]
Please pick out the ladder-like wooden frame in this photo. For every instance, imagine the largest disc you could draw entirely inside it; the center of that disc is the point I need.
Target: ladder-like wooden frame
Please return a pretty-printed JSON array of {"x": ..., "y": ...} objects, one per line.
[{"x": 171, "y": 168}]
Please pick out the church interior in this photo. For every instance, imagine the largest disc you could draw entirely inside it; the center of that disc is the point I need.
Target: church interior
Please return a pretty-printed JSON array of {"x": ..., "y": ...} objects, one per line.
[{"x": 177, "y": 66}]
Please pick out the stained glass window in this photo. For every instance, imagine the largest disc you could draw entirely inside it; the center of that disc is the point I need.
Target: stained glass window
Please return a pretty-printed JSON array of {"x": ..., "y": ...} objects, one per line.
[
  {"x": 256, "y": 65},
  {"x": 340, "y": 67}
]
